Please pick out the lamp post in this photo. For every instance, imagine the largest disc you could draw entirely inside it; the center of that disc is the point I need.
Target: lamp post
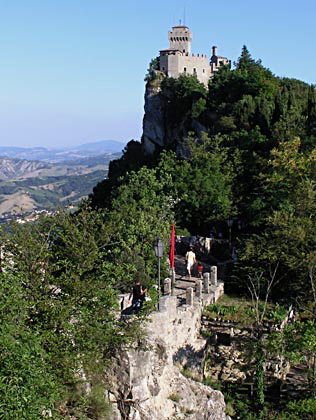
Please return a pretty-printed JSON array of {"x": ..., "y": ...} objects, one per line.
[
  {"x": 159, "y": 246},
  {"x": 230, "y": 222}
]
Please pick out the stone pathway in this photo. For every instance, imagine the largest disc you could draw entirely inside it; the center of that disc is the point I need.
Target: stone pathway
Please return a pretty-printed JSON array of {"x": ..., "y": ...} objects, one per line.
[{"x": 183, "y": 281}]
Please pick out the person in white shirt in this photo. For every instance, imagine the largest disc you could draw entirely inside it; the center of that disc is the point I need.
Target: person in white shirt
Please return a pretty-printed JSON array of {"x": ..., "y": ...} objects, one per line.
[{"x": 190, "y": 259}]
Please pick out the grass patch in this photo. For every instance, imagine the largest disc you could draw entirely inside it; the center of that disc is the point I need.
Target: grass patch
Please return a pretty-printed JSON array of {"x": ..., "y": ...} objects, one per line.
[
  {"x": 187, "y": 373},
  {"x": 174, "y": 397},
  {"x": 240, "y": 310},
  {"x": 212, "y": 384}
]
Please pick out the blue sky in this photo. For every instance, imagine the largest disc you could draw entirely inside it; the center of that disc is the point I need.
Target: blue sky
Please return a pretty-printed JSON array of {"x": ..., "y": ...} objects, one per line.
[{"x": 72, "y": 71}]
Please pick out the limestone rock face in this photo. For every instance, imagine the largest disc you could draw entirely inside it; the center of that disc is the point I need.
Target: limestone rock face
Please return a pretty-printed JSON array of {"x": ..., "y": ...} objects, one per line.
[
  {"x": 158, "y": 129},
  {"x": 146, "y": 382},
  {"x": 153, "y": 122},
  {"x": 146, "y": 387}
]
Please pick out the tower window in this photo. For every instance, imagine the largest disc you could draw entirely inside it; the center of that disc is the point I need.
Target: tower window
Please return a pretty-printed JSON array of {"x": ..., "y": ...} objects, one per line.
[
  {"x": 194, "y": 70},
  {"x": 185, "y": 69}
]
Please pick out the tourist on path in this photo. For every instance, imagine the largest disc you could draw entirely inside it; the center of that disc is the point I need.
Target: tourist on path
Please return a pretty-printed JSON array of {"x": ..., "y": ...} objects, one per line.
[
  {"x": 190, "y": 259},
  {"x": 138, "y": 296}
]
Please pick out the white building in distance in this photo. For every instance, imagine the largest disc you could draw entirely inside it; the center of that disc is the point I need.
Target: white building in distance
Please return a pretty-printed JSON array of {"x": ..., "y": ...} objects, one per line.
[{"x": 177, "y": 59}]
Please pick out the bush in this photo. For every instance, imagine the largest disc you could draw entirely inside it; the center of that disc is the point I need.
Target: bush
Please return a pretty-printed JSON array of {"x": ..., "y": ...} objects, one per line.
[{"x": 174, "y": 397}]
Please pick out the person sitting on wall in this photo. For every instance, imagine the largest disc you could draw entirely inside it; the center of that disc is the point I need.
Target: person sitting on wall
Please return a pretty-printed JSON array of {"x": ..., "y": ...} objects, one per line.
[
  {"x": 138, "y": 296},
  {"x": 200, "y": 270}
]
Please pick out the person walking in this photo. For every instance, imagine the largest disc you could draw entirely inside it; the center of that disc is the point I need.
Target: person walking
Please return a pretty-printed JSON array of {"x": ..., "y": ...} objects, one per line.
[
  {"x": 190, "y": 259},
  {"x": 137, "y": 294}
]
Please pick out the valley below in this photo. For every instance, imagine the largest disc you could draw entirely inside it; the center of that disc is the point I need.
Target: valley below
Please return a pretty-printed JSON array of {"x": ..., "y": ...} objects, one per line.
[{"x": 30, "y": 185}]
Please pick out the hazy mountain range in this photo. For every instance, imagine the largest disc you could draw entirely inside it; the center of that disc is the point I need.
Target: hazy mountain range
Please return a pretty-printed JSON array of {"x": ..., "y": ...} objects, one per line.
[
  {"x": 60, "y": 154},
  {"x": 58, "y": 178}
]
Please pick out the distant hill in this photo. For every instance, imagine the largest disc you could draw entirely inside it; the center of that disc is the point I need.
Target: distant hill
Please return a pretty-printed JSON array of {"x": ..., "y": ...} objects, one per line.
[
  {"x": 61, "y": 154},
  {"x": 15, "y": 168},
  {"x": 108, "y": 146},
  {"x": 35, "y": 185}
]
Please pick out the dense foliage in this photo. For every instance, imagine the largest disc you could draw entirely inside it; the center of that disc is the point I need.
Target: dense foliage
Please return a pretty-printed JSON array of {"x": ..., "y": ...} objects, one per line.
[{"x": 59, "y": 302}]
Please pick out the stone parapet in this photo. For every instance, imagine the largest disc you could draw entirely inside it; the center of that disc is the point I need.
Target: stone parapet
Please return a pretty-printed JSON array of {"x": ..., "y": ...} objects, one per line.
[
  {"x": 180, "y": 325},
  {"x": 142, "y": 378}
]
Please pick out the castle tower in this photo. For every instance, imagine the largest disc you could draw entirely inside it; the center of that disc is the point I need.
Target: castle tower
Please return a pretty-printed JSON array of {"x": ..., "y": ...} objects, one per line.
[
  {"x": 177, "y": 59},
  {"x": 180, "y": 39}
]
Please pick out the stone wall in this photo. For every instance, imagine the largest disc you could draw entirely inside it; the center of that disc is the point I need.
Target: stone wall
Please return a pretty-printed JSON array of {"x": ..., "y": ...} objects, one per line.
[
  {"x": 174, "y": 63},
  {"x": 229, "y": 353},
  {"x": 147, "y": 382}
]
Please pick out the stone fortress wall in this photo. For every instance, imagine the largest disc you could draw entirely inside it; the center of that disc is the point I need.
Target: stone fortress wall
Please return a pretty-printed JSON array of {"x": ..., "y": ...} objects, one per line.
[
  {"x": 147, "y": 381},
  {"x": 177, "y": 59}
]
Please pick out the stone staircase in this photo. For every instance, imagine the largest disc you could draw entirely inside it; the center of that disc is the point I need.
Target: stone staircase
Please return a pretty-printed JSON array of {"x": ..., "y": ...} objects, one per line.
[{"x": 187, "y": 287}]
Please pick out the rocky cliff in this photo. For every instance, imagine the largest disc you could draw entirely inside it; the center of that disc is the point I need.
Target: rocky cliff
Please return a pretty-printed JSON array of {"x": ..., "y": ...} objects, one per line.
[
  {"x": 147, "y": 382},
  {"x": 165, "y": 124}
]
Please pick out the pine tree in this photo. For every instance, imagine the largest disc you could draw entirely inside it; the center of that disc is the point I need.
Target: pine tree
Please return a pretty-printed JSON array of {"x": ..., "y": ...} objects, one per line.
[
  {"x": 245, "y": 61},
  {"x": 311, "y": 111}
]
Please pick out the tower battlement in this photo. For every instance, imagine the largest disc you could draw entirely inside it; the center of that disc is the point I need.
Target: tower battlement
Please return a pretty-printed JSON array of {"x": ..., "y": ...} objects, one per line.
[{"x": 180, "y": 39}]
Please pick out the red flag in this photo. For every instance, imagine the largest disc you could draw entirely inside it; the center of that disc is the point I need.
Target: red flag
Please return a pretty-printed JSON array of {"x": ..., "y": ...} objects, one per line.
[{"x": 172, "y": 240}]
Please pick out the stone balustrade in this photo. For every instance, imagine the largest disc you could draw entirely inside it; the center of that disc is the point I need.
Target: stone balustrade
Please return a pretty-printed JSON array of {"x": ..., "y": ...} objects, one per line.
[
  {"x": 209, "y": 289},
  {"x": 198, "y": 289},
  {"x": 167, "y": 286},
  {"x": 206, "y": 283},
  {"x": 189, "y": 296},
  {"x": 214, "y": 275},
  {"x": 210, "y": 286}
]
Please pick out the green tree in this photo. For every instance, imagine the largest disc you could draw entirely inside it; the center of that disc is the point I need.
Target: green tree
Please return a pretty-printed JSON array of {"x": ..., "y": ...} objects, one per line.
[
  {"x": 140, "y": 212},
  {"x": 62, "y": 266},
  {"x": 311, "y": 111},
  {"x": 289, "y": 216},
  {"x": 183, "y": 98},
  {"x": 245, "y": 61},
  {"x": 28, "y": 383},
  {"x": 203, "y": 183}
]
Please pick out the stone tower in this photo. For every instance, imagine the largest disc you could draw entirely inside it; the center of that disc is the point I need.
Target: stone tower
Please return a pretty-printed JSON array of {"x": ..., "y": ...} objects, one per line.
[
  {"x": 180, "y": 39},
  {"x": 177, "y": 59}
]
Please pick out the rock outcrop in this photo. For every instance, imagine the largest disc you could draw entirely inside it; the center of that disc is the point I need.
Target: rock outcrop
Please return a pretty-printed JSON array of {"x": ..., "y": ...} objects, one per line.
[
  {"x": 147, "y": 382},
  {"x": 161, "y": 128}
]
